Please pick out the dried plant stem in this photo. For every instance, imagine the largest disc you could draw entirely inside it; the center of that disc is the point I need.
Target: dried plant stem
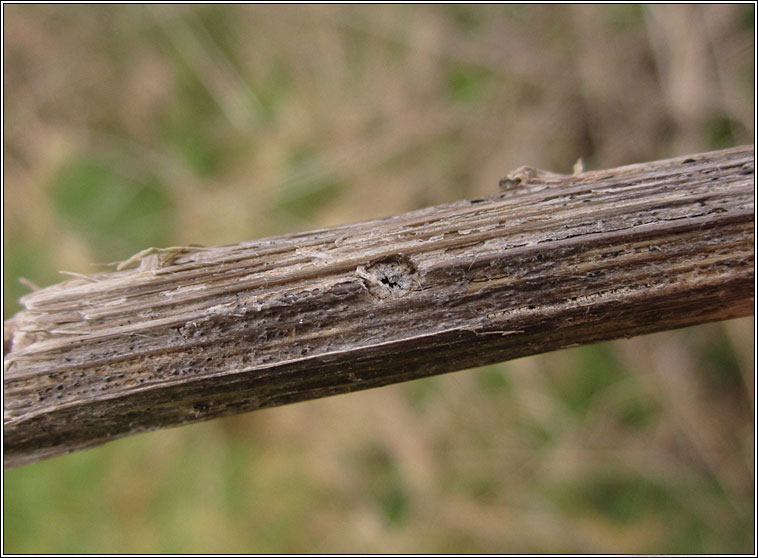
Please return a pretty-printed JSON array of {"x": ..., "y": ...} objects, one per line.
[{"x": 550, "y": 262}]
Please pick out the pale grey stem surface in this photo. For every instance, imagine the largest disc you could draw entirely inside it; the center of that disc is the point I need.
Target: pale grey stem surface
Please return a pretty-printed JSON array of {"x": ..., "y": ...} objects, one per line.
[{"x": 184, "y": 334}]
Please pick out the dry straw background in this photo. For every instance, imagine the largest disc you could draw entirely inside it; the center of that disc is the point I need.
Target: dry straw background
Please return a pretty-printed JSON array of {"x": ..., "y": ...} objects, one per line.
[{"x": 134, "y": 126}]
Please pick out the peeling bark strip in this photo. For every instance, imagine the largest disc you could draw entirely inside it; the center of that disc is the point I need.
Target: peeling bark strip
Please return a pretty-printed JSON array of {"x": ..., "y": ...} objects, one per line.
[{"x": 552, "y": 261}]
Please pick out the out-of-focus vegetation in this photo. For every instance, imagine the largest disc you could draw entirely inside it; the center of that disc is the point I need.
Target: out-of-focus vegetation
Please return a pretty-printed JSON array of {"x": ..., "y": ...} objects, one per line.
[{"x": 132, "y": 126}]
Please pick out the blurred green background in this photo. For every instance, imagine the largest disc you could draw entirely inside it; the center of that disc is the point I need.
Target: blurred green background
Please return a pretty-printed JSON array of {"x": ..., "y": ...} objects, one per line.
[{"x": 134, "y": 126}]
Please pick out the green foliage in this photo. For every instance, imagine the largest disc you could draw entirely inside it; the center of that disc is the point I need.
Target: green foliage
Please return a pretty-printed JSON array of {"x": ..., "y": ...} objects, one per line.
[
  {"x": 625, "y": 500},
  {"x": 636, "y": 410},
  {"x": 421, "y": 393},
  {"x": 468, "y": 83},
  {"x": 116, "y": 214},
  {"x": 625, "y": 16},
  {"x": 493, "y": 380},
  {"x": 24, "y": 256},
  {"x": 534, "y": 434},
  {"x": 387, "y": 488},
  {"x": 595, "y": 369},
  {"x": 308, "y": 189},
  {"x": 468, "y": 20},
  {"x": 720, "y": 132},
  {"x": 47, "y": 486},
  {"x": 717, "y": 364}
]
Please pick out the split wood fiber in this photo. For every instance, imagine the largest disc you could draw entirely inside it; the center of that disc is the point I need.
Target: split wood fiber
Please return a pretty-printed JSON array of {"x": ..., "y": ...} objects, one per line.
[{"x": 184, "y": 334}]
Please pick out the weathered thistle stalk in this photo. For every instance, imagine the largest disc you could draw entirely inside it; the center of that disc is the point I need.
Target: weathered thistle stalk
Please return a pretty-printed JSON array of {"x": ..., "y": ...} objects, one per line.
[{"x": 552, "y": 261}]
